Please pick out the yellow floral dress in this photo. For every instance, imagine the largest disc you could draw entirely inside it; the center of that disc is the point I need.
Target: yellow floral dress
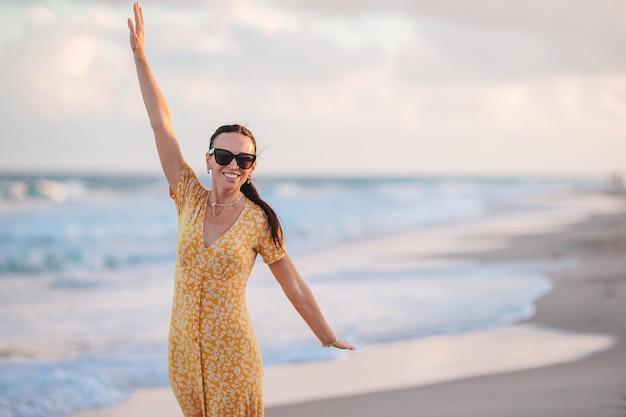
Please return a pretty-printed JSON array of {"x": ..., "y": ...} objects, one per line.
[{"x": 215, "y": 366}]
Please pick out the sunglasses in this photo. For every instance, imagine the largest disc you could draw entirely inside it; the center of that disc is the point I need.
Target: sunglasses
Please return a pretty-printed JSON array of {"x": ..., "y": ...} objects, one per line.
[{"x": 223, "y": 157}]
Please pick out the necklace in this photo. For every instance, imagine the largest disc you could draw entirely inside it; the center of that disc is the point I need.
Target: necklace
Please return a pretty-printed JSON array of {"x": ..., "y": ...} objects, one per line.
[{"x": 213, "y": 203}]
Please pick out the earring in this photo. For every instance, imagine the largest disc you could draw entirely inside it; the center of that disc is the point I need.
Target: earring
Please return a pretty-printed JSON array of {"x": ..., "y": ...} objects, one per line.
[
  {"x": 208, "y": 171},
  {"x": 248, "y": 180}
]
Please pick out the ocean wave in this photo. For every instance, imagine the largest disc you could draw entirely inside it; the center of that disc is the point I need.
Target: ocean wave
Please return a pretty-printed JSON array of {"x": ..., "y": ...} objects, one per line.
[
  {"x": 61, "y": 189},
  {"x": 58, "y": 224}
]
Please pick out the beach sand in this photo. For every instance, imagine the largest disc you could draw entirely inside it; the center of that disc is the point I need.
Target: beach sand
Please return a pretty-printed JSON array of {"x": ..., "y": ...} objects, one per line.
[{"x": 569, "y": 360}]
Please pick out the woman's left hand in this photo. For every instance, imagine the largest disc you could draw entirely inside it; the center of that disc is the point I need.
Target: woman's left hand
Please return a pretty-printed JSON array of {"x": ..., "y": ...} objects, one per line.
[{"x": 342, "y": 344}]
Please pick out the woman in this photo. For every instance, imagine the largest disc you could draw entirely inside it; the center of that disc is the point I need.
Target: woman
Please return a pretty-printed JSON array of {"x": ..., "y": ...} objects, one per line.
[{"x": 215, "y": 366}]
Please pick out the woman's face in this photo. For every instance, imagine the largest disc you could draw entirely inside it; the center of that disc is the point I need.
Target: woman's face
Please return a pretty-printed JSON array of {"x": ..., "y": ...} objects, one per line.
[{"x": 231, "y": 176}]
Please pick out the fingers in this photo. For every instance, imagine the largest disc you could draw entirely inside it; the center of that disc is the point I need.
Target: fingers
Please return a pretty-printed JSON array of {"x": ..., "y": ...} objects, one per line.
[
  {"x": 138, "y": 24},
  {"x": 138, "y": 17},
  {"x": 342, "y": 344},
  {"x": 136, "y": 28}
]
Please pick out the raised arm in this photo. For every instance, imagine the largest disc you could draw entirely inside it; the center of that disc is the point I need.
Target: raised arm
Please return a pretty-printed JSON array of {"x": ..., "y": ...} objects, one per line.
[
  {"x": 301, "y": 296},
  {"x": 156, "y": 106}
]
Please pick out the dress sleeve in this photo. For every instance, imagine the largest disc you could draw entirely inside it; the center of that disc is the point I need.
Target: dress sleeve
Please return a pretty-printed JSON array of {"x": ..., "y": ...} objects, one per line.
[
  {"x": 187, "y": 189},
  {"x": 265, "y": 244}
]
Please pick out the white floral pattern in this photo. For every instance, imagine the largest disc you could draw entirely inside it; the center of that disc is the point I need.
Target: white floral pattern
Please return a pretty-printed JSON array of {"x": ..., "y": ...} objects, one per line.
[{"x": 215, "y": 365}]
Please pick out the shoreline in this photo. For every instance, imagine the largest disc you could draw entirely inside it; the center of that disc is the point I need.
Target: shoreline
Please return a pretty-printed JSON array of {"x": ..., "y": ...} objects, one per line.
[
  {"x": 493, "y": 241},
  {"x": 588, "y": 299},
  {"x": 512, "y": 348}
]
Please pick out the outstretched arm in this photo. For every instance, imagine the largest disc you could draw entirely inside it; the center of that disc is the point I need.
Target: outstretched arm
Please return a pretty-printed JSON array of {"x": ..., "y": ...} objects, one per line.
[
  {"x": 156, "y": 106},
  {"x": 303, "y": 300}
]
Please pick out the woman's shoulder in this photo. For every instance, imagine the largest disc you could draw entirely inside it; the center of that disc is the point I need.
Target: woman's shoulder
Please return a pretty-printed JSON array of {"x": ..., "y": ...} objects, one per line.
[
  {"x": 256, "y": 213},
  {"x": 254, "y": 208},
  {"x": 189, "y": 189},
  {"x": 192, "y": 176}
]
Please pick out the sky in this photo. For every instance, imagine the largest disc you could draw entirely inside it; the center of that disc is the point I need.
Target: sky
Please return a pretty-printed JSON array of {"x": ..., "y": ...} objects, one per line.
[{"x": 342, "y": 87}]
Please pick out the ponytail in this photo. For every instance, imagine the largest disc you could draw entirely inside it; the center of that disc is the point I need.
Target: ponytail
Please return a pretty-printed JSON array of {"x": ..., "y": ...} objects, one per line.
[{"x": 250, "y": 191}]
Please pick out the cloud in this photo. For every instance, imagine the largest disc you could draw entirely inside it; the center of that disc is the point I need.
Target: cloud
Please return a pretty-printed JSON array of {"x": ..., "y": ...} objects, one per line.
[
  {"x": 64, "y": 67},
  {"x": 506, "y": 38},
  {"x": 38, "y": 15},
  {"x": 533, "y": 15},
  {"x": 247, "y": 42},
  {"x": 236, "y": 65}
]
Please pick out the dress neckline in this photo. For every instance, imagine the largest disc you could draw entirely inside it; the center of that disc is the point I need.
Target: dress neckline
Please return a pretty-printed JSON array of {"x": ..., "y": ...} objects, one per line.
[{"x": 227, "y": 231}]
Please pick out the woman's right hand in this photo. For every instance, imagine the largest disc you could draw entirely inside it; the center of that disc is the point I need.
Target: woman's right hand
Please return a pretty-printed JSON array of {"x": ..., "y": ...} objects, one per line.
[
  {"x": 156, "y": 106},
  {"x": 136, "y": 29}
]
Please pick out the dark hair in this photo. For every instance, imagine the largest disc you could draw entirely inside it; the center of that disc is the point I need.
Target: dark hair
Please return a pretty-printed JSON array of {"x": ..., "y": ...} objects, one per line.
[{"x": 249, "y": 190}]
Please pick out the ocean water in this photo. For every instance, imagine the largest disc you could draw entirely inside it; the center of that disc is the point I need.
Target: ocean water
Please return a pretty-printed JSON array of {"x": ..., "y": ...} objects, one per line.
[{"x": 86, "y": 276}]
